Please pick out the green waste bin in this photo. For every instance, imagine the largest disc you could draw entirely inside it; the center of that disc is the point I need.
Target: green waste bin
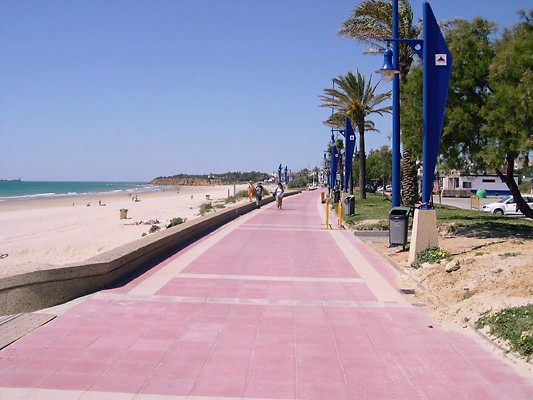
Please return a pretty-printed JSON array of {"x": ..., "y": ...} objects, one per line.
[
  {"x": 349, "y": 205},
  {"x": 398, "y": 225},
  {"x": 481, "y": 193}
]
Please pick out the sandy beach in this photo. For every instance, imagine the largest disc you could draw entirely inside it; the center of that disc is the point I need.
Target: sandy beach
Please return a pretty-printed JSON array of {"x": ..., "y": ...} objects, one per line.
[{"x": 54, "y": 232}]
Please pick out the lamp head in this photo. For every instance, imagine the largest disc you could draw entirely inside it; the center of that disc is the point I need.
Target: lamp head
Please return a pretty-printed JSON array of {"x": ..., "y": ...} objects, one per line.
[{"x": 387, "y": 71}]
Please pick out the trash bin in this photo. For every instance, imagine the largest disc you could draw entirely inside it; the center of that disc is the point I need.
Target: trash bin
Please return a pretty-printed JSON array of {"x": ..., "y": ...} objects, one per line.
[
  {"x": 349, "y": 205},
  {"x": 123, "y": 213},
  {"x": 481, "y": 193},
  {"x": 398, "y": 224},
  {"x": 336, "y": 196}
]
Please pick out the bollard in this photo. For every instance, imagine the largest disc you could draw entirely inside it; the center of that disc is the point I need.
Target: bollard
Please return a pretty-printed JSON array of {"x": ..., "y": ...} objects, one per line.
[
  {"x": 339, "y": 213},
  {"x": 474, "y": 202}
]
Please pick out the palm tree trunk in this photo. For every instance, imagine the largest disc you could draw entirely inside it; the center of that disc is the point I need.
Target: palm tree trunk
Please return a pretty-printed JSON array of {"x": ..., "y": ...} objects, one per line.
[{"x": 410, "y": 179}]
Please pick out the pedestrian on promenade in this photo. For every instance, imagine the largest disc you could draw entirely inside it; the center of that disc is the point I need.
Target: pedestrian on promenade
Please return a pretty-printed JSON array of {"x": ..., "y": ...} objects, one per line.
[
  {"x": 250, "y": 190},
  {"x": 278, "y": 194},
  {"x": 259, "y": 194}
]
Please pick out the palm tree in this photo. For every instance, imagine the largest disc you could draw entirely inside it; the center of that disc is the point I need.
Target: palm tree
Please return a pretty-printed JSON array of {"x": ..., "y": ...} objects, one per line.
[
  {"x": 354, "y": 97},
  {"x": 369, "y": 24}
]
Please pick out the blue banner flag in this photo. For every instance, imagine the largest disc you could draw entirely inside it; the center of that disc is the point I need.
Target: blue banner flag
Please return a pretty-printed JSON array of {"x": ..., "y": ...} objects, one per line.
[
  {"x": 279, "y": 173},
  {"x": 349, "y": 145},
  {"x": 437, "y": 69}
]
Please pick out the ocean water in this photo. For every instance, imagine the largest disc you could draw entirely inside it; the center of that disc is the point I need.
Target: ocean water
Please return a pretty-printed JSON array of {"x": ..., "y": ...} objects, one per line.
[{"x": 13, "y": 191}]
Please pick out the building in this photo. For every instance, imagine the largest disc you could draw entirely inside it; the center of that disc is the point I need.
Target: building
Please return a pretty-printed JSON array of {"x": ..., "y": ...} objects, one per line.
[{"x": 458, "y": 185}]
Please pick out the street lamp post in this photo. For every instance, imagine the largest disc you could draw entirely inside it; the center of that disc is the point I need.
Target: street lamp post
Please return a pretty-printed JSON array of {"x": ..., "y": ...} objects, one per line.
[
  {"x": 390, "y": 72},
  {"x": 395, "y": 200},
  {"x": 437, "y": 63}
]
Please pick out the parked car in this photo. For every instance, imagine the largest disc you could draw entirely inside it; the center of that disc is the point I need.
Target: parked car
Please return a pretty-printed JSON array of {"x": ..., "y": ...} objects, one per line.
[
  {"x": 370, "y": 188},
  {"x": 388, "y": 188},
  {"x": 507, "y": 205}
]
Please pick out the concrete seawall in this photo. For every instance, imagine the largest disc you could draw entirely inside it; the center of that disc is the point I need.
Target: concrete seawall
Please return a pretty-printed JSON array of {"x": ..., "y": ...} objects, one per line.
[{"x": 41, "y": 289}]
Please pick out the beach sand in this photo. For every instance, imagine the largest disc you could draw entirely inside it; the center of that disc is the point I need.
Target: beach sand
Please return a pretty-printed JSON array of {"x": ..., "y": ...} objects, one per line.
[{"x": 54, "y": 232}]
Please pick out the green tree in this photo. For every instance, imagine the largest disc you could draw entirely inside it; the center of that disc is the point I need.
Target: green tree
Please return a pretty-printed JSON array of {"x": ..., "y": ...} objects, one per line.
[
  {"x": 356, "y": 98},
  {"x": 473, "y": 52},
  {"x": 509, "y": 110},
  {"x": 379, "y": 165}
]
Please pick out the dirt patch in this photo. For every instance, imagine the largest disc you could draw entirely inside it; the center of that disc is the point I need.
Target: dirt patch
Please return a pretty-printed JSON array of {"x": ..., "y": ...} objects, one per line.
[{"x": 495, "y": 271}]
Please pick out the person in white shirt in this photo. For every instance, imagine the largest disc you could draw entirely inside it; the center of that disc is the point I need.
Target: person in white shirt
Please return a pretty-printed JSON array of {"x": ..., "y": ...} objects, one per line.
[{"x": 278, "y": 194}]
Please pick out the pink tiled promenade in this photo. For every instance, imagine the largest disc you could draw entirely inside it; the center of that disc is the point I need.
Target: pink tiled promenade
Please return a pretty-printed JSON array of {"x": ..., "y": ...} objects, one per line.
[{"x": 270, "y": 306}]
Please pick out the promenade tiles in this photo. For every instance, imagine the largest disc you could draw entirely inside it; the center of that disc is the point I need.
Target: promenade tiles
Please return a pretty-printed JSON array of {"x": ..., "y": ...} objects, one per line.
[{"x": 271, "y": 306}]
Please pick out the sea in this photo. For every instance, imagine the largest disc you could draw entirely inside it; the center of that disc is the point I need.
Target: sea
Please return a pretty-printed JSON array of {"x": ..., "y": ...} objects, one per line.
[{"x": 22, "y": 190}]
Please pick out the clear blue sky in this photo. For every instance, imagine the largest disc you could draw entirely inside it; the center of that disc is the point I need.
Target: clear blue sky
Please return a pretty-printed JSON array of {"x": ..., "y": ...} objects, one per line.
[{"x": 127, "y": 90}]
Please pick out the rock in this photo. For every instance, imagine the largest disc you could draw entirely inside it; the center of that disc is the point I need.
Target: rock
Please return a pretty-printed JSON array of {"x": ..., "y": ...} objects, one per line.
[{"x": 452, "y": 266}]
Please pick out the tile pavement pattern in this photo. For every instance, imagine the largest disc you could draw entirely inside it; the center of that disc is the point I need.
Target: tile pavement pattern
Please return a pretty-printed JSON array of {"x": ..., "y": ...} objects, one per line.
[{"x": 270, "y": 306}]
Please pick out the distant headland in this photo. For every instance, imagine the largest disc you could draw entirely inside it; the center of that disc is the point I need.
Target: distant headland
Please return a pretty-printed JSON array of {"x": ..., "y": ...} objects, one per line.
[{"x": 210, "y": 179}]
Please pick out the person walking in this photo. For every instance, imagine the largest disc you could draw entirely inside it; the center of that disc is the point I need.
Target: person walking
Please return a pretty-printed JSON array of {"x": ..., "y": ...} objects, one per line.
[
  {"x": 250, "y": 190},
  {"x": 259, "y": 194},
  {"x": 278, "y": 194}
]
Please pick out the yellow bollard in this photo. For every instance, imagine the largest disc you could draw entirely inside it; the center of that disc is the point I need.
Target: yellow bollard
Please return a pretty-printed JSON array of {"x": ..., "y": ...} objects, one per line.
[
  {"x": 339, "y": 213},
  {"x": 474, "y": 202},
  {"x": 322, "y": 195}
]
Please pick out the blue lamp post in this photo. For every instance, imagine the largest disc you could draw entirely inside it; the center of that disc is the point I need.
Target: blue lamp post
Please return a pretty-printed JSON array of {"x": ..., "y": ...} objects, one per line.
[
  {"x": 437, "y": 63},
  {"x": 390, "y": 72}
]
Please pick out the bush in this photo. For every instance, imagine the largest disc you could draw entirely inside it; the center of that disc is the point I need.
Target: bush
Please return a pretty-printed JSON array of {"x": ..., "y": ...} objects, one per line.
[
  {"x": 176, "y": 221},
  {"x": 205, "y": 208},
  {"x": 431, "y": 255},
  {"x": 154, "y": 228}
]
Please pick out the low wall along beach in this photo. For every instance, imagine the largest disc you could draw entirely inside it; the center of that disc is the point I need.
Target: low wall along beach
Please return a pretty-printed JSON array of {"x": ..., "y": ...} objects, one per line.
[{"x": 60, "y": 249}]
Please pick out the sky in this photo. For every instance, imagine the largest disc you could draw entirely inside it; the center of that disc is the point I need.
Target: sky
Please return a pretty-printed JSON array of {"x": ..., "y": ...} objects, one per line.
[{"x": 129, "y": 90}]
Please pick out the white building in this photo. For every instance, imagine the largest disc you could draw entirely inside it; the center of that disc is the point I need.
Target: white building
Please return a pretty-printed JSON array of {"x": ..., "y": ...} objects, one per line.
[{"x": 463, "y": 185}]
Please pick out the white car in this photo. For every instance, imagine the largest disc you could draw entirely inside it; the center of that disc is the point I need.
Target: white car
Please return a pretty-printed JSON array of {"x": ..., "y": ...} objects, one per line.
[
  {"x": 388, "y": 188},
  {"x": 507, "y": 205}
]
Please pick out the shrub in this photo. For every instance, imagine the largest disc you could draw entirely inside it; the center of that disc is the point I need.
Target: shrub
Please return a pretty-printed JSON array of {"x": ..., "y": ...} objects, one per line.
[
  {"x": 176, "y": 221},
  {"x": 154, "y": 228},
  {"x": 205, "y": 208},
  {"x": 431, "y": 255}
]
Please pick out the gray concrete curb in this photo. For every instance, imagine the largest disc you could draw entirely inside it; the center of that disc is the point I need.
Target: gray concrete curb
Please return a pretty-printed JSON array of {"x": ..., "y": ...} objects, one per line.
[{"x": 36, "y": 290}]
